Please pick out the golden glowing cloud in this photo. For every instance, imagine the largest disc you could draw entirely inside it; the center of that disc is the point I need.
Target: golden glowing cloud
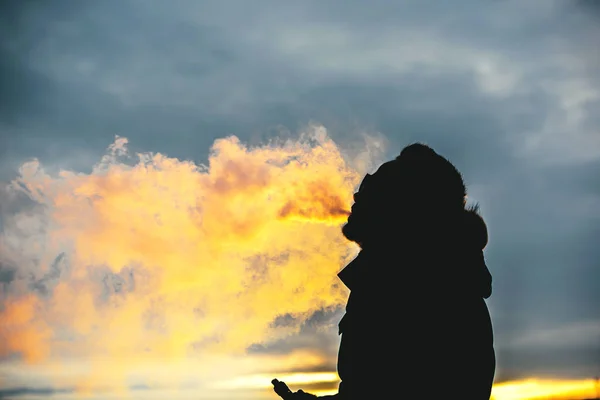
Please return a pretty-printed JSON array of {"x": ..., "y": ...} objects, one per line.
[
  {"x": 161, "y": 258},
  {"x": 22, "y": 331}
]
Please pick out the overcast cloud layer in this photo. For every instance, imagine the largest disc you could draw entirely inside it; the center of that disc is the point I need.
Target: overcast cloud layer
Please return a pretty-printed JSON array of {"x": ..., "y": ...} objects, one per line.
[{"x": 508, "y": 90}]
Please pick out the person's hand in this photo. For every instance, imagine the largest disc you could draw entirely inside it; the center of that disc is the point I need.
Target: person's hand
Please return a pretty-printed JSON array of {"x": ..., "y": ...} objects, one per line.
[
  {"x": 285, "y": 393},
  {"x": 302, "y": 395}
]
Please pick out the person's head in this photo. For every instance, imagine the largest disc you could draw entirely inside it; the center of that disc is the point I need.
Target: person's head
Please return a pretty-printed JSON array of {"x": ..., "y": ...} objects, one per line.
[{"x": 417, "y": 184}]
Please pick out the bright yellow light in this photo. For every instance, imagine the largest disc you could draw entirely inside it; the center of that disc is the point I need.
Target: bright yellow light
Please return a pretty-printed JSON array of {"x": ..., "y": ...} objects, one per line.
[
  {"x": 258, "y": 381},
  {"x": 324, "y": 392},
  {"x": 545, "y": 389}
]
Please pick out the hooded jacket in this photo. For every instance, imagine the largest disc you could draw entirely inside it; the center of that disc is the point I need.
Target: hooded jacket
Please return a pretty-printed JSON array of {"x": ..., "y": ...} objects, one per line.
[{"x": 416, "y": 322}]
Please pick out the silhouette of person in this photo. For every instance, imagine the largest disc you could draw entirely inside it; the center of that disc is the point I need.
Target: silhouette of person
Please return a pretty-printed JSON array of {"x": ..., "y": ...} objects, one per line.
[{"x": 416, "y": 321}]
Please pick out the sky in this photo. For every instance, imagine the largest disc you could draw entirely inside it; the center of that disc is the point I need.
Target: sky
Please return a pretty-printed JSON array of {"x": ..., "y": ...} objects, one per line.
[{"x": 174, "y": 175}]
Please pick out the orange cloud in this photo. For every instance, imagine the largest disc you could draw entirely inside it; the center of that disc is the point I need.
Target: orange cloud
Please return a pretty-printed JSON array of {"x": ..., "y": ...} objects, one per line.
[
  {"x": 23, "y": 330},
  {"x": 166, "y": 259}
]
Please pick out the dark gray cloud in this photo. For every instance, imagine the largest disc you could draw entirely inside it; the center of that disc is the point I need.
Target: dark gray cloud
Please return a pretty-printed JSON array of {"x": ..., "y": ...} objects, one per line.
[
  {"x": 506, "y": 90},
  {"x": 30, "y": 391},
  {"x": 320, "y": 331}
]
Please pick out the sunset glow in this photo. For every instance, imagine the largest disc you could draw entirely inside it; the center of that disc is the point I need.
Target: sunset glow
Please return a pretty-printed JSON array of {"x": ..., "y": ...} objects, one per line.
[
  {"x": 530, "y": 389},
  {"x": 154, "y": 258}
]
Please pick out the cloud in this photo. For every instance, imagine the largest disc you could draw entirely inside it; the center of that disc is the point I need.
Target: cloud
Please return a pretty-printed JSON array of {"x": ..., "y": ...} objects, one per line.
[
  {"x": 209, "y": 376},
  {"x": 156, "y": 258},
  {"x": 24, "y": 391},
  {"x": 581, "y": 334},
  {"x": 197, "y": 71}
]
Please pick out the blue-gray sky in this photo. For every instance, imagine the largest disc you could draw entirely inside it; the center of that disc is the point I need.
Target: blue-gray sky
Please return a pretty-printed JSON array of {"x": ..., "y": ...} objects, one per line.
[{"x": 507, "y": 90}]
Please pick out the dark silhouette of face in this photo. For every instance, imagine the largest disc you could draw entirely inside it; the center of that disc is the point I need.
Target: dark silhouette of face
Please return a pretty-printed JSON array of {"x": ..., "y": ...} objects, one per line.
[
  {"x": 361, "y": 215},
  {"x": 419, "y": 182}
]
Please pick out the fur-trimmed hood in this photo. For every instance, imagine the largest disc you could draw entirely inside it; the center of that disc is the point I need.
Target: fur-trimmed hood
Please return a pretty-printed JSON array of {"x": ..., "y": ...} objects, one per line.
[{"x": 453, "y": 264}]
